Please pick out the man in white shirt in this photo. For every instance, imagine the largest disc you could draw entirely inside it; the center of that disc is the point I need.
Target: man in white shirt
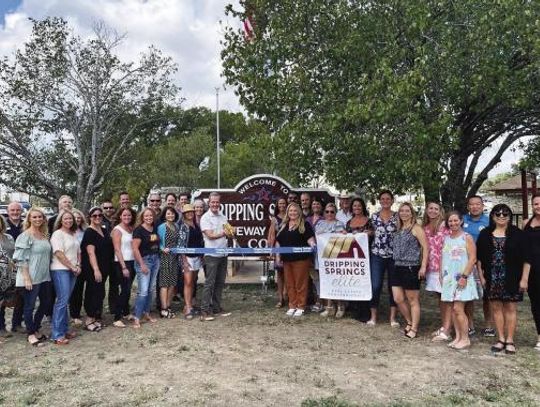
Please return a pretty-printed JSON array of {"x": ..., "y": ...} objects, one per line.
[
  {"x": 215, "y": 236},
  {"x": 344, "y": 214}
]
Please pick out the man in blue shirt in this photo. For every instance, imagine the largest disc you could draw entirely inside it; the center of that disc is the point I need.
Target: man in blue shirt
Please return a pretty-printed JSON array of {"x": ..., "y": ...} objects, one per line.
[{"x": 473, "y": 223}]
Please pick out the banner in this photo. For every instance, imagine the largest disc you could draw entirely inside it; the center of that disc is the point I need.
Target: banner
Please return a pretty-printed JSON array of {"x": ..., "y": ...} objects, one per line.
[
  {"x": 241, "y": 250},
  {"x": 344, "y": 269}
]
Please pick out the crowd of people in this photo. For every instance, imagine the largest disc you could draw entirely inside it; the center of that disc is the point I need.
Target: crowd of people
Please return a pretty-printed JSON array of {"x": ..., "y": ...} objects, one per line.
[
  {"x": 462, "y": 258},
  {"x": 66, "y": 261}
]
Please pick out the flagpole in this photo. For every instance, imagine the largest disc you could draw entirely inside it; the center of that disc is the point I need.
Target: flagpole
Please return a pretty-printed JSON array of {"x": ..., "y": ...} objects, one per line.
[{"x": 217, "y": 140}]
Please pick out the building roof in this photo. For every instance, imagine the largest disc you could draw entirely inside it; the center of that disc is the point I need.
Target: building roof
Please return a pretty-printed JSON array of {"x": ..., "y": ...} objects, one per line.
[{"x": 511, "y": 185}]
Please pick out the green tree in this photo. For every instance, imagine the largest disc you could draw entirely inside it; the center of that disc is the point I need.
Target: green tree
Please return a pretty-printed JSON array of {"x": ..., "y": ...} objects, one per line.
[
  {"x": 388, "y": 93},
  {"x": 71, "y": 111}
]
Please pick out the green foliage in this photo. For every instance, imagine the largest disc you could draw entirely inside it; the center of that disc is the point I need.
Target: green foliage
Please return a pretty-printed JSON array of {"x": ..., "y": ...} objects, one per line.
[
  {"x": 388, "y": 93},
  {"x": 187, "y": 138},
  {"x": 71, "y": 111}
]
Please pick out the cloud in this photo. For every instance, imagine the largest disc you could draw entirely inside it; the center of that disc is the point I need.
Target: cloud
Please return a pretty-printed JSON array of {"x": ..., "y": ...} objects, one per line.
[{"x": 187, "y": 30}]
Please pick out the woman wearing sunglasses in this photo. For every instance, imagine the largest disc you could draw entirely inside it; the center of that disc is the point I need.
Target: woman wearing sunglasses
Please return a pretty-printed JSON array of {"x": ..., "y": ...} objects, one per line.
[
  {"x": 504, "y": 271},
  {"x": 97, "y": 264}
]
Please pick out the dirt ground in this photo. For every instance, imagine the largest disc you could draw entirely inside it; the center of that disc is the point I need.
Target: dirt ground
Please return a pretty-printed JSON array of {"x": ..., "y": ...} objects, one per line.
[{"x": 259, "y": 357}]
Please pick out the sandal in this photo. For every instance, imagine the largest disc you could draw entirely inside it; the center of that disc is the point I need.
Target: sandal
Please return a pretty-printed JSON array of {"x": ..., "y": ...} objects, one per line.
[
  {"x": 42, "y": 337},
  {"x": 189, "y": 315},
  {"x": 496, "y": 349},
  {"x": 510, "y": 351},
  {"x": 37, "y": 343},
  {"x": 93, "y": 327},
  {"x": 411, "y": 334},
  {"x": 441, "y": 337},
  {"x": 136, "y": 324},
  {"x": 407, "y": 328},
  {"x": 61, "y": 341},
  {"x": 148, "y": 318},
  {"x": 279, "y": 304},
  {"x": 119, "y": 324}
]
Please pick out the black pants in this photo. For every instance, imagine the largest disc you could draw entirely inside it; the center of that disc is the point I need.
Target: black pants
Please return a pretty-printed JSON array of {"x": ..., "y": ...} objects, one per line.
[
  {"x": 90, "y": 292},
  {"x": 534, "y": 296},
  {"x": 114, "y": 285},
  {"x": 123, "y": 294}
]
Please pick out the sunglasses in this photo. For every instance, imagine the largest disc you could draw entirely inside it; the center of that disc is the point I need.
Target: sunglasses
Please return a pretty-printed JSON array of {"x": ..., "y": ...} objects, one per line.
[
  {"x": 155, "y": 200},
  {"x": 502, "y": 214},
  {"x": 329, "y": 211},
  {"x": 108, "y": 207},
  {"x": 96, "y": 215}
]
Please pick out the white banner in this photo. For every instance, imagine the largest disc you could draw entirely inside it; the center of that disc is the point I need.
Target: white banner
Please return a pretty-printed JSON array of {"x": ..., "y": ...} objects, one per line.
[{"x": 344, "y": 270}]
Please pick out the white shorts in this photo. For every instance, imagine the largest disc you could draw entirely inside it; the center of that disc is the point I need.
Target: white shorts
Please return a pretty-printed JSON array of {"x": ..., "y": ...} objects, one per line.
[
  {"x": 433, "y": 282},
  {"x": 195, "y": 263}
]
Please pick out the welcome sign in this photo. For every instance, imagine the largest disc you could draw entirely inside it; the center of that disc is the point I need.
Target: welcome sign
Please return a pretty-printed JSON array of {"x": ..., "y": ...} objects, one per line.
[
  {"x": 344, "y": 269},
  {"x": 249, "y": 206}
]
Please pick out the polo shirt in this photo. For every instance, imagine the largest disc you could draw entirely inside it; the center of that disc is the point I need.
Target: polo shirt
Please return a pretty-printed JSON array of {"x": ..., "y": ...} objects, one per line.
[{"x": 474, "y": 226}]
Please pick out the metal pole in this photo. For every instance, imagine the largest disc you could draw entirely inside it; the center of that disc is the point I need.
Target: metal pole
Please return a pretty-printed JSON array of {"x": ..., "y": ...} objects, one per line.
[{"x": 217, "y": 140}]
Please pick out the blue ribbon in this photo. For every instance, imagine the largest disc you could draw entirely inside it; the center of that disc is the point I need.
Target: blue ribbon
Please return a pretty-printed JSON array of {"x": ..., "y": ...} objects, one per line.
[{"x": 243, "y": 250}]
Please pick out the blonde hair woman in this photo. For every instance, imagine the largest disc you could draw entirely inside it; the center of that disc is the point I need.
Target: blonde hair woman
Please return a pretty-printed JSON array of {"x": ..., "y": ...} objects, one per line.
[
  {"x": 410, "y": 254},
  {"x": 436, "y": 230},
  {"x": 296, "y": 232},
  {"x": 33, "y": 257},
  {"x": 80, "y": 223}
]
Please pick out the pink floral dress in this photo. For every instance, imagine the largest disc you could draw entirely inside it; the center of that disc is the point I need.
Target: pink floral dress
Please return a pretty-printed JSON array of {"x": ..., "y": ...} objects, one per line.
[{"x": 435, "y": 245}]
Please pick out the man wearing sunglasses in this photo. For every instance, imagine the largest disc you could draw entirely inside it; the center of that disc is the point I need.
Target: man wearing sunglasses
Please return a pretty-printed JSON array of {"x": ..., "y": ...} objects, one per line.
[
  {"x": 473, "y": 223},
  {"x": 108, "y": 214},
  {"x": 154, "y": 203}
]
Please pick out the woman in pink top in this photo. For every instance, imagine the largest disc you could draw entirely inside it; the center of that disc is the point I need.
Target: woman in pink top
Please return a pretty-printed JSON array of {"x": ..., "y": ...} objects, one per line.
[{"x": 436, "y": 231}]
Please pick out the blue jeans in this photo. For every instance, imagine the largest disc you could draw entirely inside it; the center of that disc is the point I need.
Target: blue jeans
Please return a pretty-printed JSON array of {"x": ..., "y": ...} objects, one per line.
[
  {"x": 146, "y": 284},
  {"x": 33, "y": 320},
  {"x": 378, "y": 266},
  {"x": 64, "y": 281}
]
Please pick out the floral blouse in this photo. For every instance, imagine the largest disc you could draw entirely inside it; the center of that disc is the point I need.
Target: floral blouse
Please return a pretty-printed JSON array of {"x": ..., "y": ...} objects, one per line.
[
  {"x": 384, "y": 235},
  {"x": 435, "y": 245}
]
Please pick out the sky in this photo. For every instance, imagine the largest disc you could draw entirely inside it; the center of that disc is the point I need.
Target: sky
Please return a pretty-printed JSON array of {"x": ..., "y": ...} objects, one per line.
[{"x": 187, "y": 30}]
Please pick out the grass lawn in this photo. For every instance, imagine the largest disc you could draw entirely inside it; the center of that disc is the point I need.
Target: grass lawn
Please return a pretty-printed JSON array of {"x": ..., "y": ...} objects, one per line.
[{"x": 259, "y": 357}]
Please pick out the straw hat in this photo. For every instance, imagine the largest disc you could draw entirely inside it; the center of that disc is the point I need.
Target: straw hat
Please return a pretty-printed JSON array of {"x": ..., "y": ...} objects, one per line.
[{"x": 188, "y": 208}]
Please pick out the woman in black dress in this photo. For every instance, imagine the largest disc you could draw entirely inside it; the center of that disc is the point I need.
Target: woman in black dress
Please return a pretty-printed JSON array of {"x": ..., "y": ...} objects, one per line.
[
  {"x": 97, "y": 263},
  {"x": 504, "y": 269}
]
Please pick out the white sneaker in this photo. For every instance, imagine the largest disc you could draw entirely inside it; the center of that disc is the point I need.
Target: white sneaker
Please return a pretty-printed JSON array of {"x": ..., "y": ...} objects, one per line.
[
  {"x": 298, "y": 313},
  {"x": 290, "y": 312}
]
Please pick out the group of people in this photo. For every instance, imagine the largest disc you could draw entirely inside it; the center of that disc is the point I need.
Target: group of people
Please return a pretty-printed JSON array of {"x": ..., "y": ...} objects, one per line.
[
  {"x": 65, "y": 262},
  {"x": 462, "y": 258}
]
